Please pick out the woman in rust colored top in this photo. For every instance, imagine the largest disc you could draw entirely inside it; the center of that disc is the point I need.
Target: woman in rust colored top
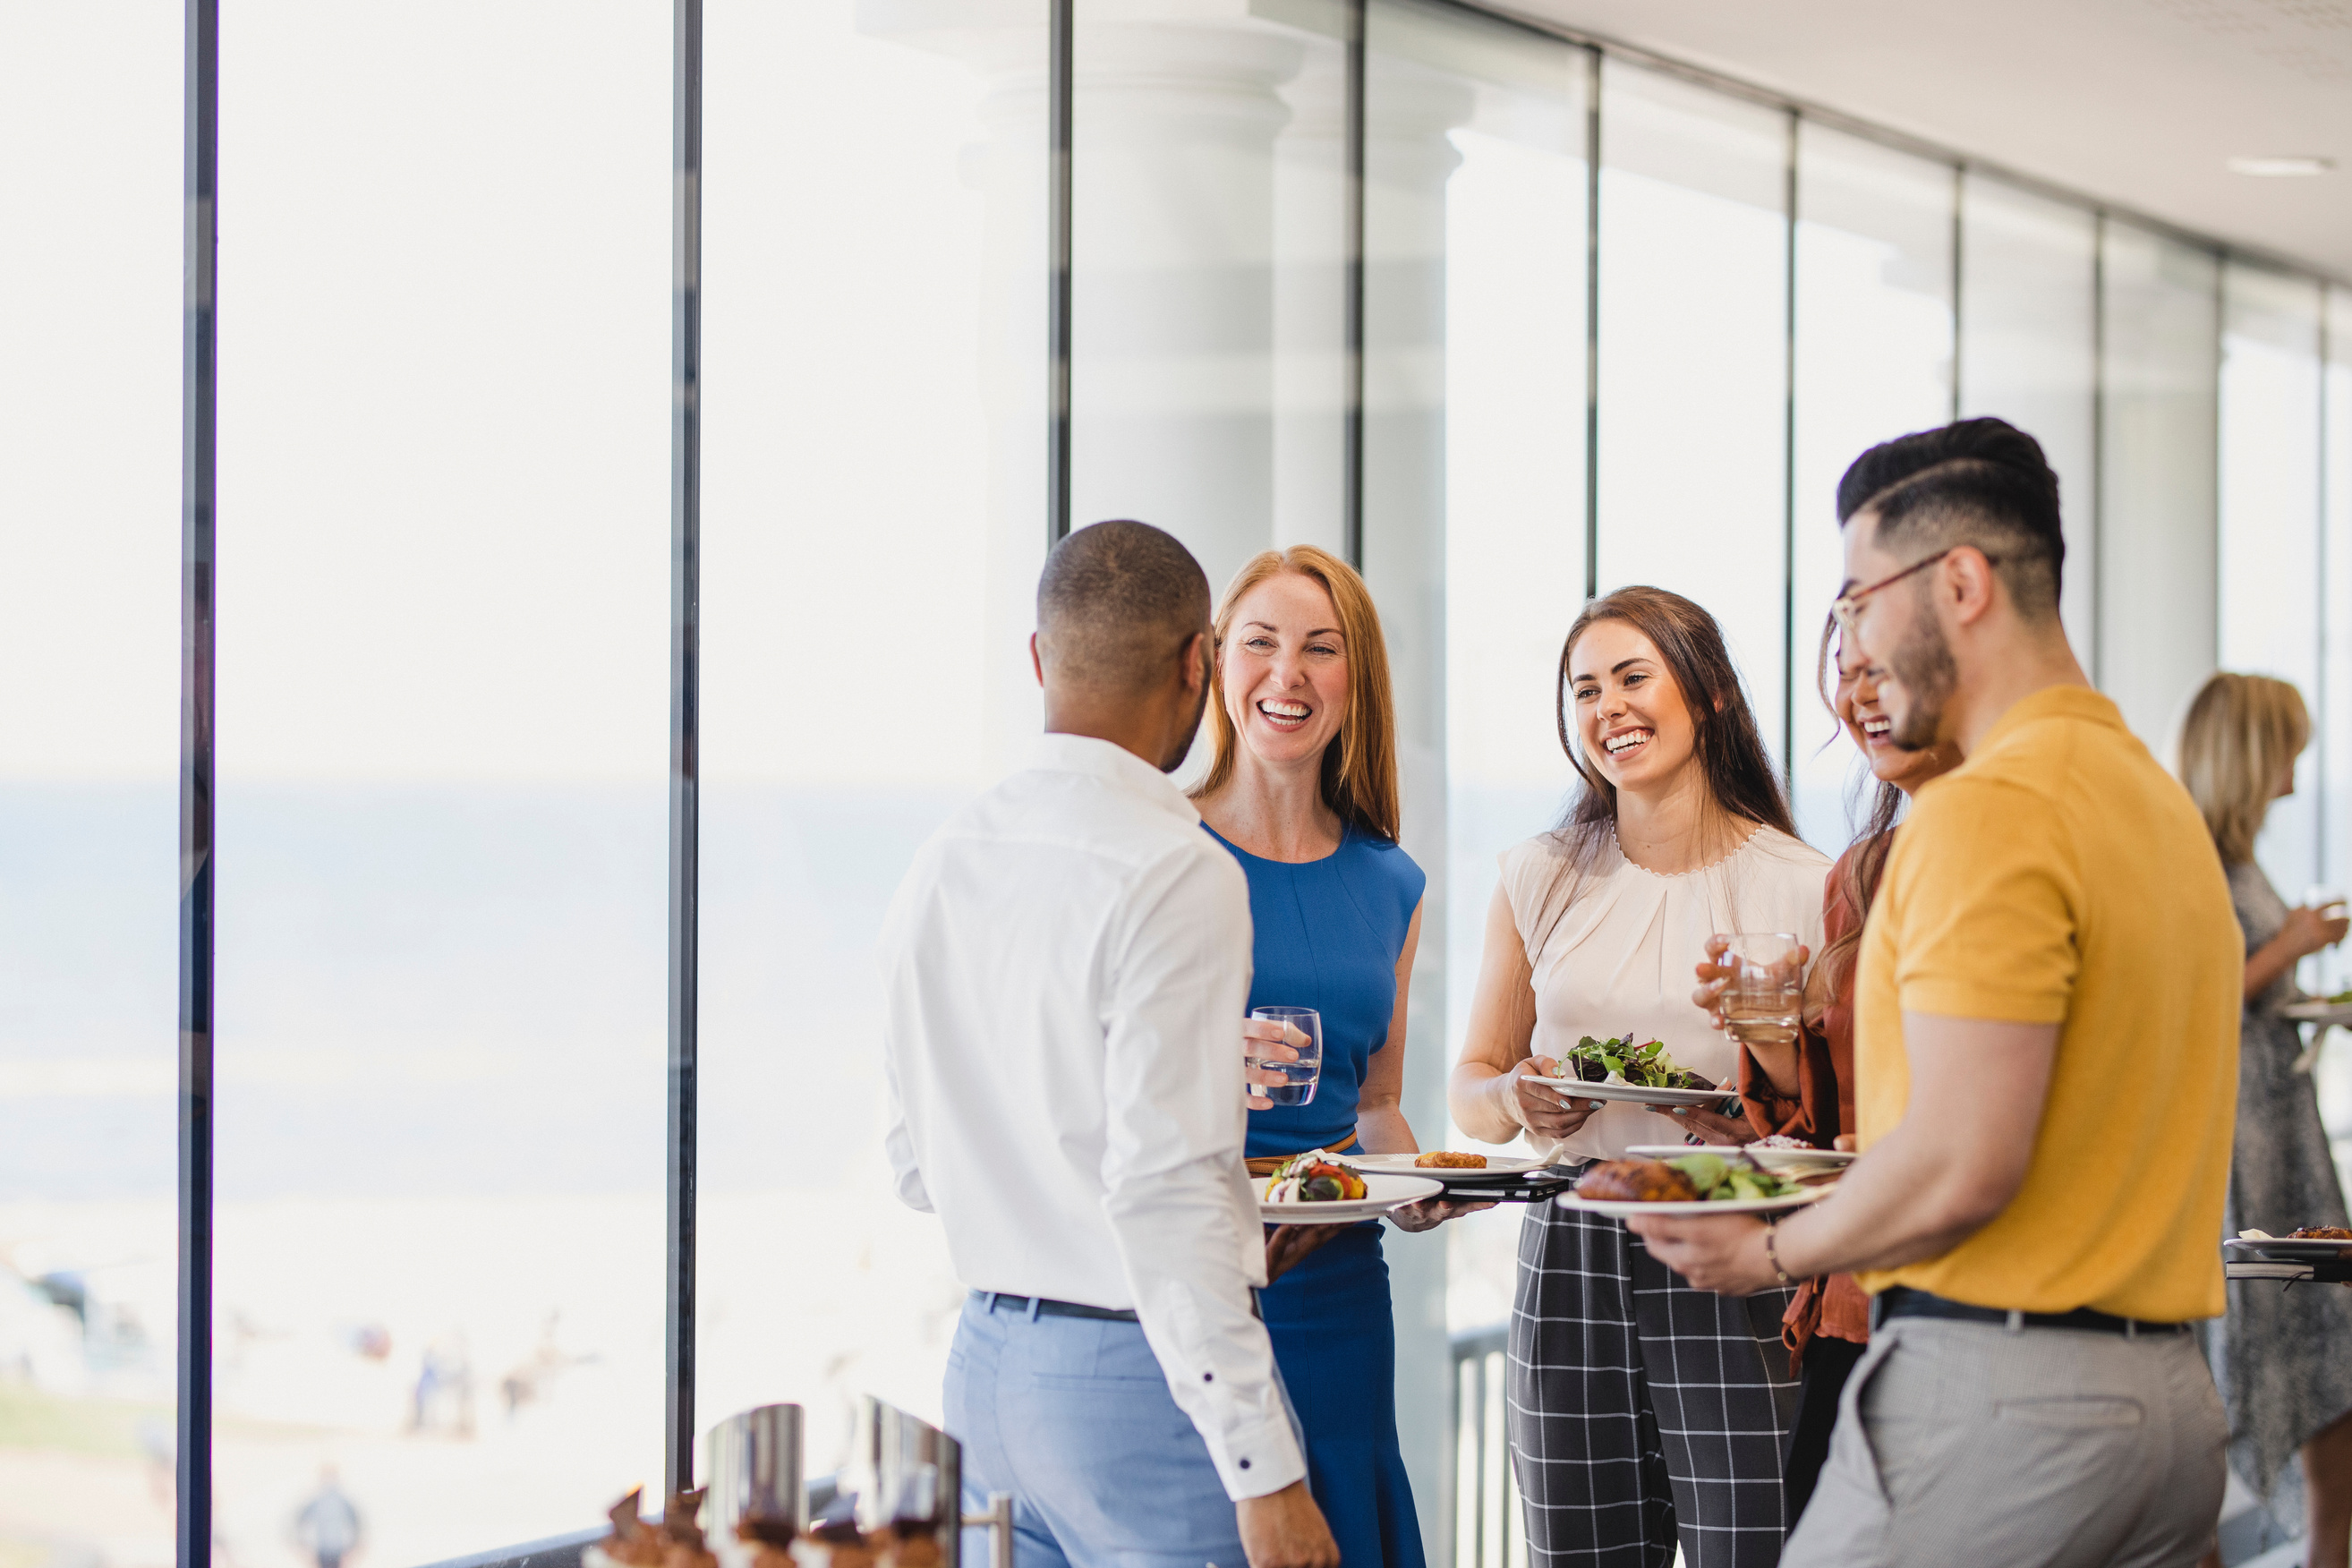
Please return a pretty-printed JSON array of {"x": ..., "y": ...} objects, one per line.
[{"x": 1806, "y": 1090}]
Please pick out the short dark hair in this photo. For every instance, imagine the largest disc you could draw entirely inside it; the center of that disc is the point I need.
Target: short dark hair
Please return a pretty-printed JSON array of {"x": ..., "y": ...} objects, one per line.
[
  {"x": 1975, "y": 481},
  {"x": 1116, "y": 602}
]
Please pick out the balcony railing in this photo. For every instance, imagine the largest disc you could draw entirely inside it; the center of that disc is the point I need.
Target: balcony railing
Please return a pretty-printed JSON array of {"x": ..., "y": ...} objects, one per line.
[{"x": 1486, "y": 1531}]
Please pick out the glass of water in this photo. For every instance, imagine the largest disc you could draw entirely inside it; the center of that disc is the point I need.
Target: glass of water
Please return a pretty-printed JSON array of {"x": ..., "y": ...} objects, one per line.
[
  {"x": 1304, "y": 1072},
  {"x": 1765, "y": 1001}
]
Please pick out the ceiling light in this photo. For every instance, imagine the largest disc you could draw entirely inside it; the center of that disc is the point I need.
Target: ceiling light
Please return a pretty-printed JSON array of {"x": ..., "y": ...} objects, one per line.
[{"x": 2277, "y": 168}]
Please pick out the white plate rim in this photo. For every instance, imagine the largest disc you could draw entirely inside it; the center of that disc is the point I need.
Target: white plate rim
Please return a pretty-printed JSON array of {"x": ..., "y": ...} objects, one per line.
[
  {"x": 2319, "y": 1010},
  {"x": 1768, "y": 1158},
  {"x": 1625, "y": 1208},
  {"x": 1634, "y": 1094},
  {"x": 2291, "y": 1249},
  {"x": 1512, "y": 1165},
  {"x": 1346, "y": 1211}
]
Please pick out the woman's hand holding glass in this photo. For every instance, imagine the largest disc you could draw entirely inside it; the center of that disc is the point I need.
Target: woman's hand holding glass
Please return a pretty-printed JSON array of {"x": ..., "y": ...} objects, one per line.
[{"x": 1268, "y": 1041}]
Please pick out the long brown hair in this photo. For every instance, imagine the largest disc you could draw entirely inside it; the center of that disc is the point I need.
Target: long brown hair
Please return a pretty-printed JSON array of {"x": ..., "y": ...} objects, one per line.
[
  {"x": 1360, "y": 764},
  {"x": 1865, "y": 864},
  {"x": 1741, "y": 782}
]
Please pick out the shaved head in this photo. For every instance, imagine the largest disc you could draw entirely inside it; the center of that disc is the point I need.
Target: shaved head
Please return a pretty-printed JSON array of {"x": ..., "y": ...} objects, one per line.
[{"x": 1116, "y": 604}]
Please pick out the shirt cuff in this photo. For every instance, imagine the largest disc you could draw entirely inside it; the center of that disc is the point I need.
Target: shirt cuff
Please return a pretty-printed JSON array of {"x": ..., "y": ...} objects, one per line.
[{"x": 1254, "y": 1459}]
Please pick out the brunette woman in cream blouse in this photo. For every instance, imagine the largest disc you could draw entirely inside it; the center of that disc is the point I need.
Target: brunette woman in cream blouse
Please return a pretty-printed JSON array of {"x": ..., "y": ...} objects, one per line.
[{"x": 1641, "y": 1410}]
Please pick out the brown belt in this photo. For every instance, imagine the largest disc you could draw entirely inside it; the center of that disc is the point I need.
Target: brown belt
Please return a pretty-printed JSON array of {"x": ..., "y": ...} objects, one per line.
[{"x": 1269, "y": 1165}]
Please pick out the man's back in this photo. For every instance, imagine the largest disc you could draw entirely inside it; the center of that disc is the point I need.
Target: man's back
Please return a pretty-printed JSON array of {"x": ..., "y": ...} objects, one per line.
[
  {"x": 1014, "y": 956},
  {"x": 2060, "y": 876}
]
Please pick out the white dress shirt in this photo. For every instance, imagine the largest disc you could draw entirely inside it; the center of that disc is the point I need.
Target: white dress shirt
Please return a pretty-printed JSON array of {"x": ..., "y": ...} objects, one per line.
[
  {"x": 1065, "y": 968},
  {"x": 1622, "y": 958}
]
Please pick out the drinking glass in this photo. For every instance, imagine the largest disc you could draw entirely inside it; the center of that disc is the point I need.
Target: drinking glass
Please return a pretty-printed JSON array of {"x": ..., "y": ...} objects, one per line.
[
  {"x": 2325, "y": 900},
  {"x": 1765, "y": 1001},
  {"x": 1304, "y": 1073}
]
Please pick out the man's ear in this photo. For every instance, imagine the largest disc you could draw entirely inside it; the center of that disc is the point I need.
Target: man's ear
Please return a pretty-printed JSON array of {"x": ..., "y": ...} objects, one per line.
[
  {"x": 1973, "y": 583},
  {"x": 1036, "y": 659},
  {"x": 1196, "y": 662}
]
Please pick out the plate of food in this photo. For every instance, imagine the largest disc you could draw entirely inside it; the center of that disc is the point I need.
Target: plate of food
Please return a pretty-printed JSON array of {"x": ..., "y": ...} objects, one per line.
[
  {"x": 1619, "y": 1070},
  {"x": 1696, "y": 1183},
  {"x": 1455, "y": 1170},
  {"x": 1776, "y": 1154},
  {"x": 2305, "y": 1245},
  {"x": 1317, "y": 1188}
]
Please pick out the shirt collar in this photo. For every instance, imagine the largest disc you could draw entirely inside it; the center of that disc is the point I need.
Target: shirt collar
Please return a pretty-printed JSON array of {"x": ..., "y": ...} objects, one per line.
[
  {"x": 2053, "y": 702},
  {"x": 1114, "y": 764}
]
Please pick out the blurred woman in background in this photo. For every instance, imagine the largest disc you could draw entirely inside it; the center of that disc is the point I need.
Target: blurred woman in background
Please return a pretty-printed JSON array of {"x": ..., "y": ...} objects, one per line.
[{"x": 2279, "y": 1355}]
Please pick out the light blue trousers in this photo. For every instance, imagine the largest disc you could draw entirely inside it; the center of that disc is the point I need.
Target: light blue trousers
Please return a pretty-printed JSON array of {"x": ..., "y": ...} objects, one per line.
[{"x": 1073, "y": 1417}]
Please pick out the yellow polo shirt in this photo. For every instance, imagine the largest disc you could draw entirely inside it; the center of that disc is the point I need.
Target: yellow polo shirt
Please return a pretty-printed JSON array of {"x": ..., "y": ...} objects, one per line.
[{"x": 2059, "y": 876}]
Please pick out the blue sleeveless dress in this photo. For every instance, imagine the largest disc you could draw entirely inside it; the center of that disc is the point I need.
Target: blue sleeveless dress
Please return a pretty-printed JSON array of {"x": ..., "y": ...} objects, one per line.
[{"x": 1328, "y": 934}]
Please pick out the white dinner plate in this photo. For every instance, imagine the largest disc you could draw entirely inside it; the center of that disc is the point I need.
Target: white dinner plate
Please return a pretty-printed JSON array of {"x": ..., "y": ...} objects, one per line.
[
  {"x": 2287, "y": 1250},
  {"x": 1569, "y": 1088},
  {"x": 1626, "y": 1209},
  {"x": 1770, "y": 1159},
  {"x": 1496, "y": 1166},
  {"x": 1382, "y": 1193},
  {"x": 2319, "y": 1010}
]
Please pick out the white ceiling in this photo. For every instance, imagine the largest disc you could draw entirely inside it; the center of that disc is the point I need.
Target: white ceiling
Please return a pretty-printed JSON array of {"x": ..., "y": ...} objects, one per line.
[{"x": 2139, "y": 103}]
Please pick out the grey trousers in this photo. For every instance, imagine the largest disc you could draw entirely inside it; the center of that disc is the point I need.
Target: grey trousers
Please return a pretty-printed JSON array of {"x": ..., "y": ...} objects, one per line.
[{"x": 1966, "y": 1443}]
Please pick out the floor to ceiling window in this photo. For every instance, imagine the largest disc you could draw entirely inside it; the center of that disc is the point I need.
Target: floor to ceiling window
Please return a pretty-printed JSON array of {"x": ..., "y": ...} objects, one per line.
[
  {"x": 88, "y": 753},
  {"x": 442, "y": 687},
  {"x": 872, "y": 506}
]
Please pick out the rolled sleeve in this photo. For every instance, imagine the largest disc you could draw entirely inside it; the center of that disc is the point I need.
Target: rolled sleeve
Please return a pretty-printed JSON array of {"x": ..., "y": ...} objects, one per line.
[
  {"x": 1175, "y": 1193},
  {"x": 1990, "y": 907}
]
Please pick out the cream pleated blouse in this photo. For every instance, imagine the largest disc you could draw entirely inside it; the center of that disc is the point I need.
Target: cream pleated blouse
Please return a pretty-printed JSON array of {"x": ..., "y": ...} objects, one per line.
[{"x": 1619, "y": 959}]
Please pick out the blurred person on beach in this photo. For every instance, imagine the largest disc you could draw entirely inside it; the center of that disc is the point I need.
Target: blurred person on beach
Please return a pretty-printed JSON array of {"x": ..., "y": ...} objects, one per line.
[
  {"x": 2045, "y": 1049},
  {"x": 2278, "y": 1355},
  {"x": 1063, "y": 969},
  {"x": 327, "y": 1527}
]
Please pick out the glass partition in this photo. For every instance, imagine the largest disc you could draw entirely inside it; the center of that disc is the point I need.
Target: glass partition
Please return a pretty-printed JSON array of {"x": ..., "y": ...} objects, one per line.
[
  {"x": 89, "y": 743},
  {"x": 2027, "y": 352},
  {"x": 2270, "y": 581},
  {"x": 1692, "y": 459},
  {"x": 2334, "y": 741},
  {"x": 443, "y": 655},
  {"x": 1874, "y": 347},
  {"x": 874, "y": 520},
  {"x": 2158, "y": 497}
]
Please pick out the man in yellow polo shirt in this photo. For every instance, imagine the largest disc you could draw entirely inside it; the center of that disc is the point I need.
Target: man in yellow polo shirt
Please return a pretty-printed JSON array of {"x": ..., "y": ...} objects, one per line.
[{"x": 2045, "y": 1055}]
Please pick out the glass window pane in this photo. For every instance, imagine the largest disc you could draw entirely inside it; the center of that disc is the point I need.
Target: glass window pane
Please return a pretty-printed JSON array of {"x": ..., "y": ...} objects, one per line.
[
  {"x": 444, "y": 636},
  {"x": 2270, "y": 523},
  {"x": 2335, "y": 741},
  {"x": 2157, "y": 502},
  {"x": 874, "y": 507},
  {"x": 2027, "y": 350},
  {"x": 1473, "y": 518},
  {"x": 1874, "y": 362},
  {"x": 89, "y": 618},
  {"x": 1694, "y": 361}
]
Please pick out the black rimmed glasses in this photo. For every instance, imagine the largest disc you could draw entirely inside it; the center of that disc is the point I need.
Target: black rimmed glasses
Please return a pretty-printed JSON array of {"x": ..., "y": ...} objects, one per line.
[{"x": 1847, "y": 607}]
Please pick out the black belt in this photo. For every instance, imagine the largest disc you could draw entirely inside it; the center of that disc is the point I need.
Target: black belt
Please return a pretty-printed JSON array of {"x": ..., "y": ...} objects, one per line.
[
  {"x": 1047, "y": 1306},
  {"x": 1901, "y": 1301}
]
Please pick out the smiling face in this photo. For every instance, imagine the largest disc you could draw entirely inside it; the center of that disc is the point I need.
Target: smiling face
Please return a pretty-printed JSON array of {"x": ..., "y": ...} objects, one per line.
[
  {"x": 1898, "y": 638},
  {"x": 1631, "y": 717},
  {"x": 1285, "y": 670},
  {"x": 1858, "y": 701}
]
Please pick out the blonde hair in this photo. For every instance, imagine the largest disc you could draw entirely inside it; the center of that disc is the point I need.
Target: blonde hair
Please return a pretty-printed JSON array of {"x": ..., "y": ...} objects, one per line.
[
  {"x": 2242, "y": 735},
  {"x": 1359, "y": 765}
]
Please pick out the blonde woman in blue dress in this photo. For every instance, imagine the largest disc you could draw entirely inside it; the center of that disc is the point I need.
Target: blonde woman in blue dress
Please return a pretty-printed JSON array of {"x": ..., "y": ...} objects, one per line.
[{"x": 1303, "y": 792}]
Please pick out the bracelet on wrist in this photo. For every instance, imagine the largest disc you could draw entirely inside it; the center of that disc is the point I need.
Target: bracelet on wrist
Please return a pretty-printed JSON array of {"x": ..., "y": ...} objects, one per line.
[{"x": 1772, "y": 1252}]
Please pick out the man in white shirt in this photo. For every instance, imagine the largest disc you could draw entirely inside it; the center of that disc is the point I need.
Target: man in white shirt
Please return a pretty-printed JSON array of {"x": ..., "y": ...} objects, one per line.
[{"x": 1067, "y": 966}]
